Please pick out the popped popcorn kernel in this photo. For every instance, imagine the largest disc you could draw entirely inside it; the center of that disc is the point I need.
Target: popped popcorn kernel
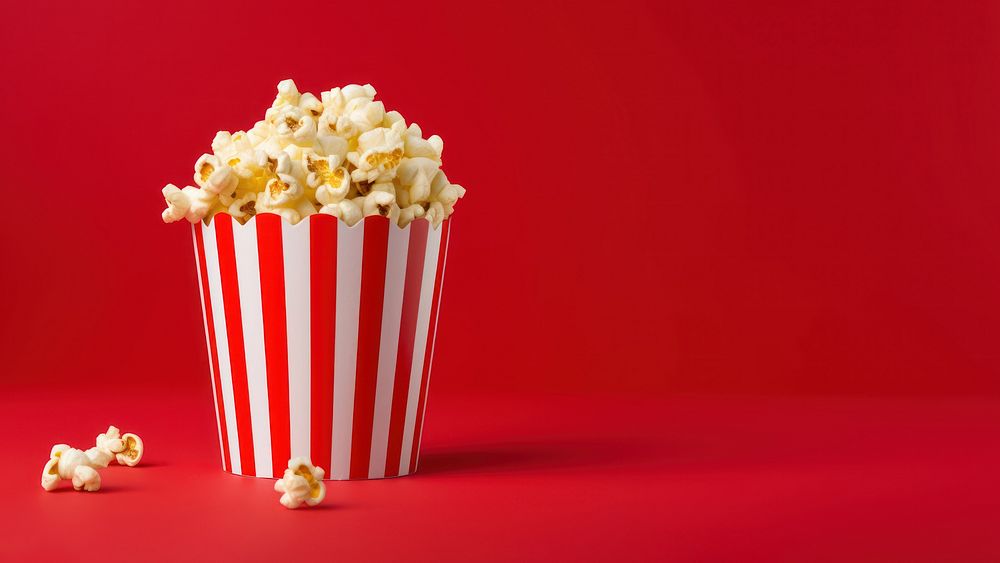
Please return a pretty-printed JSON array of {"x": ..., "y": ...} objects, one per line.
[{"x": 302, "y": 483}]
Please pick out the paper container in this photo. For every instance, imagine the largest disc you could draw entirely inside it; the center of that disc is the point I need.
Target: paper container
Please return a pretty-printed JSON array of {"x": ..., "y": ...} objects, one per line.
[{"x": 320, "y": 338}]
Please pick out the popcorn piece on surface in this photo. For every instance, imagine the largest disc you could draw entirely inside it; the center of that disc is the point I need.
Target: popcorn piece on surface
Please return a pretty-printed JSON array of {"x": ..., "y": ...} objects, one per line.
[
  {"x": 311, "y": 155},
  {"x": 126, "y": 449},
  {"x": 301, "y": 484},
  {"x": 66, "y": 463}
]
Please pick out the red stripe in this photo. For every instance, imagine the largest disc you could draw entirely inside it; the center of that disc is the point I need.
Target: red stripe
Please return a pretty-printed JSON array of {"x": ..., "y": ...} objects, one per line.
[
  {"x": 234, "y": 329},
  {"x": 272, "y": 295},
  {"x": 213, "y": 351},
  {"x": 407, "y": 332},
  {"x": 323, "y": 294},
  {"x": 376, "y": 247},
  {"x": 431, "y": 333}
]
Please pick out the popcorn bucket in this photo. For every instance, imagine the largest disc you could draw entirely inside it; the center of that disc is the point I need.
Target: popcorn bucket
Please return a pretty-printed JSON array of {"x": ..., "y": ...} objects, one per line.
[{"x": 320, "y": 339}]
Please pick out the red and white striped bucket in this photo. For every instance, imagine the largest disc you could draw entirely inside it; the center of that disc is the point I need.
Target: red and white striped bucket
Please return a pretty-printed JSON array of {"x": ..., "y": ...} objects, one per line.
[{"x": 320, "y": 339}]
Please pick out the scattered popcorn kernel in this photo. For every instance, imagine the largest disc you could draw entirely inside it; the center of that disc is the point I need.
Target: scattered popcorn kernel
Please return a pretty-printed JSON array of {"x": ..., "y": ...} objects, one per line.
[
  {"x": 131, "y": 452},
  {"x": 66, "y": 463},
  {"x": 125, "y": 449},
  {"x": 302, "y": 483}
]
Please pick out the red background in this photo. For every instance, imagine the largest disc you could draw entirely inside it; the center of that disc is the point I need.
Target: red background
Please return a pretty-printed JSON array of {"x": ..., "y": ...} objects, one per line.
[{"x": 786, "y": 199}]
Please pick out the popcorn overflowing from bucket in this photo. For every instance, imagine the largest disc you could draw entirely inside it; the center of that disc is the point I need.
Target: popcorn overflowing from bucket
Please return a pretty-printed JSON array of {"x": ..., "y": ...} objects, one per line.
[{"x": 341, "y": 154}]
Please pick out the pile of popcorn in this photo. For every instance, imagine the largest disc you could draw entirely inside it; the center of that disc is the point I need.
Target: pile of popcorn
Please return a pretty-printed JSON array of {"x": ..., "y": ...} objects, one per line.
[
  {"x": 341, "y": 154},
  {"x": 300, "y": 485}
]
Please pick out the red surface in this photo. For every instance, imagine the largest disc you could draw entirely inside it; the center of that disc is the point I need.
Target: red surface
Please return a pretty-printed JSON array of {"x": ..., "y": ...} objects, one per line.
[
  {"x": 517, "y": 478},
  {"x": 768, "y": 201}
]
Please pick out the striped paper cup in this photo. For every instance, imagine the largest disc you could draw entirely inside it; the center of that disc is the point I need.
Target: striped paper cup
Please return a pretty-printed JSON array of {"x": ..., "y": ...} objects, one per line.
[{"x": 320, "y": 339}]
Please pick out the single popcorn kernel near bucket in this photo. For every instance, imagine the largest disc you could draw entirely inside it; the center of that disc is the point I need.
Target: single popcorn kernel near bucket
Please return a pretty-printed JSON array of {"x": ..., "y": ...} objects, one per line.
[
  {"x": 126, "y": 449},
  {"x": 301, "y": 484},
  {"x": 66, "y": 463},
  {"x": 341, "y": 154}
]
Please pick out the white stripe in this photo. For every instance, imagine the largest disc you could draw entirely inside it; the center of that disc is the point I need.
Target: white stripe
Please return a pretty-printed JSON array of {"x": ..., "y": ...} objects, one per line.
[
  {"x": 350, "y": 242},
  {"x": 392, "y": 307},
  {"x": 430, "y": 363},
  {"x": 419, "y": 345},
  {"x": 222, "y": 344},
  {"x": 208, "y": 342},
  {"x": 295, "y": 248},
  {"x": 251, "y": 311}
]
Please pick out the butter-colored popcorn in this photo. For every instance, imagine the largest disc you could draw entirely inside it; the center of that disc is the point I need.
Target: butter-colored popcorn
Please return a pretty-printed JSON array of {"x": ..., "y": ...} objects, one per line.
[
  {"x": 378, "y": 202},
  {"x": 409, "y": 214},
  {"x": 280, "y": 192},
  {"x": 295, "y": 125},
  {"x": 311, "y": 105},
  {"x": 414, "y": 145},
  {"x": 331, "y": 144},
  {"x": 336, "y": 99},
  {"x": 435, "y": 214},
  {"x": 331, "y": 182},
  {"x": 66, "y": 463},
  {"x": 213, "y": 175},
  {"x": 445, "y": 192},
  {"x": 379, "y": 152},
  {"x": 346, "y": 210},
  {"x": 415, "y": 174},
  {"x": 302, "y": 483},
  {"x": 132, "y": 450},
  {"x": 189, "y": 203},
  {"x": 312, "y": 155},
  {"x": 288, "y": 94},
  {"x": 126, "y": 449},
  {"x": 364, "y": 113},
  {"x": 177, "y": 204},
  {"x": 244, "y": 207}
]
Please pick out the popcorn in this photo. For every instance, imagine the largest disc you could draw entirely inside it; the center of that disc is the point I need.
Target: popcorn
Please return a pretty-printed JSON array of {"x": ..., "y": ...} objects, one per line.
[
  {"x": 73, "y": 464},
  {"x": 280, "y": 192},
  {"x": 334, "y": 154},
  {"x": 244, "y": 207},
  {"x": 301, "y": 483},
  {"x": 132, "y": 450},
  {"x": 379, "y": 152},
  {"x": 377, "y": 203},
  {"x": 330, "y": 181},
  {"x": 311, "y": 105},
  {"x": 345, "y": 210},
  {"x": 125, "y": 449},
  {"x": 189, "y": 203},
  {"x": 408, "y": 214},
  {"x": 435, "y": 213}
]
